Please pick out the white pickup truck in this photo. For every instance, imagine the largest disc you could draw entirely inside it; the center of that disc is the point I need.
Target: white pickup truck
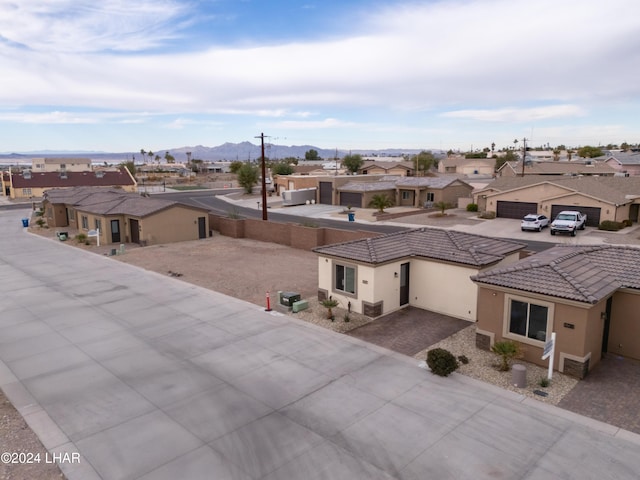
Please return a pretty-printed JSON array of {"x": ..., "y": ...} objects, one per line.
[{"x": 568, "y": 221}]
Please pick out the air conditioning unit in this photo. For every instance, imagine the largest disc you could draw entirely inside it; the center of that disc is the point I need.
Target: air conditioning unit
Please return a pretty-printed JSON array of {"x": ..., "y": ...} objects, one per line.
[{"x": 289, "y": 298}]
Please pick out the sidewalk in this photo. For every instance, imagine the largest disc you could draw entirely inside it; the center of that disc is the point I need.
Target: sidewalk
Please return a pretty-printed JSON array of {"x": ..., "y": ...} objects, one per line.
[{"x": 146, "y": 376}]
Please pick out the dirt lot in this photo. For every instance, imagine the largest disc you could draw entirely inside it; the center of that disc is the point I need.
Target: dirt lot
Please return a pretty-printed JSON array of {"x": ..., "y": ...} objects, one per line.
[{"x": 215, "y": 263}]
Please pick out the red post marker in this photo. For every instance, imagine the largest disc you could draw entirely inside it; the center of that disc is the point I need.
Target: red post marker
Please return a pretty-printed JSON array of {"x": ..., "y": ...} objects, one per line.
[{"x": 268, "y": 309}]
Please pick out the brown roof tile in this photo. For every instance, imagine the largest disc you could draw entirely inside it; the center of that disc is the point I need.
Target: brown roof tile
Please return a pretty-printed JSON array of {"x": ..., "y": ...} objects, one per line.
[
  {"x": 446, "y": 245},
  {"x": 584, "y": 274}
]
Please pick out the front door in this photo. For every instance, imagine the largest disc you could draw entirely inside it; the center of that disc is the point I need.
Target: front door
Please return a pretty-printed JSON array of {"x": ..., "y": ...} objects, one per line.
[
  {"x": 115, "y": 231},
  {"x": 404, "y": 284},
  {"x": 135, "y": 230},
  {"x": 202, "y": 227}
]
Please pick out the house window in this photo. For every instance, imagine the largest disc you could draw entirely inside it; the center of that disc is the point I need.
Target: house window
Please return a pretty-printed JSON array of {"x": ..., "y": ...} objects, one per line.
[
  {"x": 345, "y": 279},
  {"x": 85, "y": 222},
  {"x": 406, "y": 195},
  {"x": 529, "y": 320},
  {"x": 430, "y": 197},
  {"x": 98, "y": 224},
  {"x": 26, "y": 191}
]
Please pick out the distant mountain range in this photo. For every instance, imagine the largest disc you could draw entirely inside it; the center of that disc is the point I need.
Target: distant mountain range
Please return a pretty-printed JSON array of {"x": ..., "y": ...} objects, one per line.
[{"x": 227, "y": 151}]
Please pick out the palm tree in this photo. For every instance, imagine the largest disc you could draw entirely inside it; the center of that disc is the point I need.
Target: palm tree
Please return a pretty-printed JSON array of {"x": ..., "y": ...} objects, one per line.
[
  {"x": 329, "y": 303},
  {"x": 442, "y": 206},
  {"x": 381, "y": 201}
]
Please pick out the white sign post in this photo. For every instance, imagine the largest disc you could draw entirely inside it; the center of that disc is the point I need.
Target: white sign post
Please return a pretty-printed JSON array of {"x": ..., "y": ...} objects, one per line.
[{"x": 549, "y": 350}]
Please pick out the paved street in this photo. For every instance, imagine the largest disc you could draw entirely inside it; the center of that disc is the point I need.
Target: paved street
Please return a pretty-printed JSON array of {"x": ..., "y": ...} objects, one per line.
[{"x": 146, "y": 376}]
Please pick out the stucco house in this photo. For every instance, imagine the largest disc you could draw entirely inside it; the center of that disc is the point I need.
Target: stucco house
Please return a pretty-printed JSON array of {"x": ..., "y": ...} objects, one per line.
[
  {"x": 625, "y": 162},
  {"x": 578, "y": 167},
  {"x": 588, "y": 295},
  {"x": 28, "y": 184},
  {"x": 428, "y": 268},
  {"x": 387, "y": 168},
  {"x": 601, "y": 198},
  {"x": 124, "y": 217},
  {"x": 460, "y": 165},
  {"x": 60, "y": 164}
]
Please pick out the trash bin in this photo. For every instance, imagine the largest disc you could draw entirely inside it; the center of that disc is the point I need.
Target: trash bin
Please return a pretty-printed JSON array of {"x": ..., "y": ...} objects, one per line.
[
  {"x": 352, "y": 216},
  {"x": 519, "y": 375},
  {"x": 25, "y": 222}
]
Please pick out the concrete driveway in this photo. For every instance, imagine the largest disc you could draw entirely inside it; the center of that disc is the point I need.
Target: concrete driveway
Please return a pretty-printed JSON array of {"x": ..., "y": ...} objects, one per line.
[{"x": 145, "y": 376}]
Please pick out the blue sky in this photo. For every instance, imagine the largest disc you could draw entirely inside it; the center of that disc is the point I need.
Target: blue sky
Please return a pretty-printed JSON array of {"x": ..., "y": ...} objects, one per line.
[{"x": 121, "y": 75}]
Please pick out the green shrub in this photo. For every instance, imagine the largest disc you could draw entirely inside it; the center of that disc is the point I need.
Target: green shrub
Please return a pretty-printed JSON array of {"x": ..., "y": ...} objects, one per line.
[
  {"x": 544, "y": 382},
  {"x": 610, "y": 226},
  {"x": 506, "y": 350},
  {"x": 441, "y": 362},
  {"x": 472, "y": 207},
  {"x": 627, "y": 222},
  {"x": 463, "y": 359},
  {"x": 40, "y": 222},
  {"x": 81, "y": 238}
]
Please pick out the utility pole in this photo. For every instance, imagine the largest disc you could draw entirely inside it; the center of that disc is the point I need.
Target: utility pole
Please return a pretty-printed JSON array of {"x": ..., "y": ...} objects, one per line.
[
  {"x": 524, "y": 154},
  {"x": 264, "y": 179}
]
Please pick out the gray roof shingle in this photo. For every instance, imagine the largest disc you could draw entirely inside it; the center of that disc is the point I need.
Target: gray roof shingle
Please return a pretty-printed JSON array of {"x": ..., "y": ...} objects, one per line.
[
  {"x": 445, "y": 245},
  {"x": 585, "y": 274}
]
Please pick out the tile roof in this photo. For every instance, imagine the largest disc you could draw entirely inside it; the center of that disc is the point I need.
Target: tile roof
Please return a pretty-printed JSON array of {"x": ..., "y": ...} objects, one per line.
[
  {"x": 626, "y": 158},
  {"x": 111, "y": 202},
  {"x": 585, "y": 274},
  {"x": 611, "y": 189},
  {"x": 391, "y": 182},
  {"x": 72, "y": 179},
  {"x": 367, "y": 186},
  {"x": 438, "y": 244}
]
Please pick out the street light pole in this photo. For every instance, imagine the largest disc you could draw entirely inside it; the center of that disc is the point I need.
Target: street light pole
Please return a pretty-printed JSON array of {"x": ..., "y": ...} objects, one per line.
[{"x": 264, "y": 180}]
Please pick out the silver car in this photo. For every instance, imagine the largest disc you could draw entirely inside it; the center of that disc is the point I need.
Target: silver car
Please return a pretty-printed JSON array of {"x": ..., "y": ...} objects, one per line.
[{"x": 534, "y": 222}]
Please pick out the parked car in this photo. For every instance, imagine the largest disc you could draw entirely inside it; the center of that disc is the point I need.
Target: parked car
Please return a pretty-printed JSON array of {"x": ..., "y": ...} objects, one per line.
[
  {"x": 534, "y": 222},
  {"x": 568, "y": 221}
]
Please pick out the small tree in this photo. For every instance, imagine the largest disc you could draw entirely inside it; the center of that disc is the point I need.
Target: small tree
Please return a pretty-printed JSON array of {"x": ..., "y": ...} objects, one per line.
[
  {"x": 442, "y": 206},
  {"x": 248, "y": 176},
  {"x": 311, "y": 155},
  {"x": 329, "y": 303},
  {"x": 235, "y": 166},
  {"x": 506, "y": 350},
  {"x": 282, "y": 168},
  {"x": 353, "y": 162},
  {"x": 380, "y": 202}
]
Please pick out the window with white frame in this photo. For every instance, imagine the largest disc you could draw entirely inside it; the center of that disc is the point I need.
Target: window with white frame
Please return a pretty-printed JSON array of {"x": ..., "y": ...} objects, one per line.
[
  {"x": 85, "y": 222},
  {"x": 345, "y": 279},
  {"x": 430, "y": 197},
  {"x": 528, "y": 319},
  {"x": 26, "y": 191}
]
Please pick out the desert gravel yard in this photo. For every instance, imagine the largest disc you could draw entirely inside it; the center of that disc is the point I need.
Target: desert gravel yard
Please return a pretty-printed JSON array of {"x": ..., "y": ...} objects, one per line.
[{"x": 237, "y": 267}]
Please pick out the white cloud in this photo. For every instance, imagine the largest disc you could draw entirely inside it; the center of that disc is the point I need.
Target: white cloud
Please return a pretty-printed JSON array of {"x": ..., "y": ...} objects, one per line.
[
  {"x": 521, "y": 115},
  {"x": 89, "y": 25}
]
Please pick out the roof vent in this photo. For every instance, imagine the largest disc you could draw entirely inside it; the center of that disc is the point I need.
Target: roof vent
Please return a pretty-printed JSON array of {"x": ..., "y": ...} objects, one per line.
[
  {"x": 26, "y": 174},
  {"x": 99, "y": 174},
  {"x": 63, "y": 175}
]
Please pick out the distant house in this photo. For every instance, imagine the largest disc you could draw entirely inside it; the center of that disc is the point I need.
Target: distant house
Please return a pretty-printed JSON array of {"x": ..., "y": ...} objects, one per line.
[
  {"x": 601, "y": 198},
  {"x": 28, "y": 184},
  {"x": 625, "y": 162},
  {"x": 583, "y": 167},
  {"x": 387, "y": 168},
  {"x": 427, "y": 268},
  {"x": 124, "y": 217},
  {"x": 61, "y": 165},
  {"x": 459, "y": 165},
  {"x": 588, "y": 295}
]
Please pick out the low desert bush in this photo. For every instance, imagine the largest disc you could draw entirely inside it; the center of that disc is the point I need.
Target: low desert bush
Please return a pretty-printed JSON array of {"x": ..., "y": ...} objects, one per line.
[{"x": 441, "y": 362}]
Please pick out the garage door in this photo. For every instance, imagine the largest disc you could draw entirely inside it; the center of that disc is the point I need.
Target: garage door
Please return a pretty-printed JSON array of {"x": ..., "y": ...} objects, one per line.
[
  {"x": 593, "y": 213},
  {"x": 350, "y": 199},
  {"x": 515, "y": 209},
  {"x": 325, "y": 193}
]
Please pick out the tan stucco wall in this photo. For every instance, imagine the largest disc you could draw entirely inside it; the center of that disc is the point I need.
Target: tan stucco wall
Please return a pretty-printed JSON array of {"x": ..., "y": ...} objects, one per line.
[
  {"x": 624, "y": 330},
  {"x": 533, "y": 193},
  {"x": 583, "y": 340},
  {"x": 443, "y": 288},
  {"x": 183, "y": 224},
  {"x": 607, "y": 211}
]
